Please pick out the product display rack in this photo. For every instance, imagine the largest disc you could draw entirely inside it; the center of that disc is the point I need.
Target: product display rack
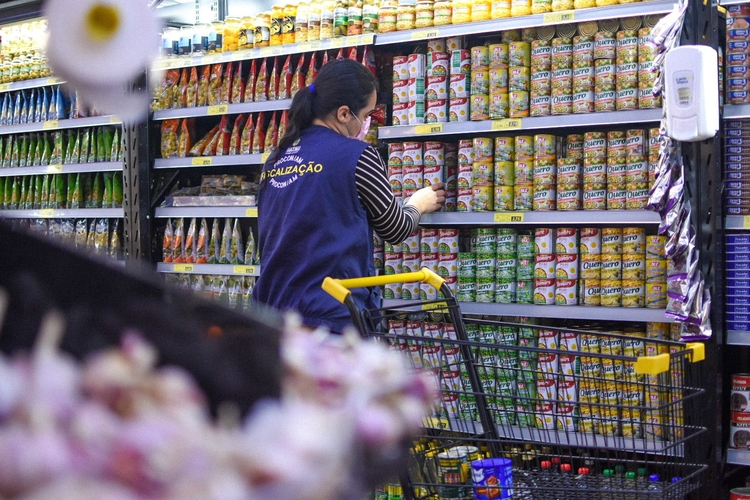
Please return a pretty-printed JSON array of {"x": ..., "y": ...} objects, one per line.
[
  {"x": 30, "y": 84},
  {"x": 223, "y": 269},
  {"x": 738, "y": 457},
  {"x": 735, "y": 111},
  {"x": 242, "y": 212},
  {"x": 71, "y": 168},
  {"x": 735, "y": 222},
  {"x": 62, "y": 213},
  {"x": 223, "y": 109},
  {"x": 552, "y": 218},
  {"x": 209, "y": 161},
  {"x": 52, "y": 125}
]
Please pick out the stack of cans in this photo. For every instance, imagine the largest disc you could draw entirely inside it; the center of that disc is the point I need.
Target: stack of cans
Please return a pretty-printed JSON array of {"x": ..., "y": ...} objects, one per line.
[
  {"x": 526, "y": 375},
  {"x": 654, "y": 145},
  {"x": 583, "y": 74},
  {"x": 465, "y": 175},
  {"x": 480, "y": 83},
  {"x": 436, "y": 88},
  {"x": 616, "y": 170},
  {"x": 636, "y": 172},
  {"x": 569, "y": 174},
  {"x": 631, "y": 396},
  {"x": 738, "y": 54},
  {"x": 594, "y": 171},
  {"x": 498, "y": 80},
  {"x": 416, "y": 91},
  {"x": 738, "y": 282},
  {"x": 542, "y": 53},
  {"x": 634, "y": 267},
  {"x": 505, "y": 173},
  {"x": 546, "y": 378},
  {"x": 506, "y": 262},
  {"x": 519, "y": 81},
  {"x": 647, "y": 74},
  {"x": 483, "y": 175},
  {"x": 392, "y": 263},
  {"x": 459, "y": 85},
  {"x": 656, "y": 272},
  {"x": 429, "y": 257},
  {"x": 611, "y": 267},
  {"x": 451, "y": 176},
  {"x": 544, "y": 173},
  {"x": 412, "y": 162},
  {"x": 523, "y": 172},
  {"x": 737, "y": 167},
  {"x": 567, "y": 385},
  {"x": 562, "y": 73},
  {"x": 545, "y": 264},
  {"x": 396, "y": 169},
  {"x": 566, "y": 266},
  {"x": 400, "y": 90},
  {"x": 466, "y": 284},
  {"x": 411, "y": 262},
  {"x": 525, "y": 268},
  {"x": 588, "y": 383},
  {"x": 605, "y": 61},
  {"x": 378, "y": 253},
  {"x": 484, "y": 246},
  {"x": 627, "y": 69},
  {"x": 448, "y": 257},
  {"x": 590, "y": 266}
]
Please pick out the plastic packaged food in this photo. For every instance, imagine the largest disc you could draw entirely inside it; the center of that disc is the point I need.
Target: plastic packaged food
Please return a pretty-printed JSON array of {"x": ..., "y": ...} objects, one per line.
[
  {"x": 226, "y": 242},
  {"x": 115, "y": 147},
  {"x": 82, "y": 235},
  {"x": 184, "y": 140},
  {"x": 168, "y": 140},
  {"x": 259, "y": 136},
  {"x": 101, "y": 241},
  {"x": 114, "y": 240},
  {"x": 117, "y": 194},
  {"x": 189, "y": 248},
  {"x": 236, "y": 93},
  {"x": 201, "y": 244},
  {"x": 273, "y": 80},
  {"x": 235, "y": 142},
  {"x": 272, "y": 135},
  {"x": 285, "y": 80},
  {"x": 182, "y": 88},
  {"x": 93, "y": 147},
  {"x": 261, "y": 83},
  {"x": 222, "y": 144},
  {"x": 203, "y": 84},
  {"x": 214, "y": 243},
  {"x": 236, "y": 251},
  {"x": 215, "y": 85},
  {"x": 198, "y": 147},
  {"x": 178, "y": 242},
  {"x": 61, "y": 196}
]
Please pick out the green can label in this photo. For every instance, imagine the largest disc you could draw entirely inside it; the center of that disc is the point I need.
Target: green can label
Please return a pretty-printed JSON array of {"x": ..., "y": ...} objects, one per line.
[
  {"x": 485, "y": 267},
  {"x": 524, "y": 291},
  {"x": 485, "y": 290},
  {"x": 525, "y": 246},
  {"x": 505, "y": 266},
  {"x": 467, "y": 265},
  {"x": 505, "y": 291}
]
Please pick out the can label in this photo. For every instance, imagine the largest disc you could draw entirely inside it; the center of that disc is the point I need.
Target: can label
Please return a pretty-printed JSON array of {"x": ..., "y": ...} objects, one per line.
[
  {"x": 544, "y": 266},
  {"x": 566, "y": 292},
  {"x": 544, "y": 291},
  {"x": 543, "y": 240},
  {"x": 740, "y": 392},
  {"x": 633, "y": 267},
  {"x": 569, "y": 199},
  {"x": 611, "y": 293},
  {"x": 739, "y": 431},
  {"x": 656, "y": 295}
]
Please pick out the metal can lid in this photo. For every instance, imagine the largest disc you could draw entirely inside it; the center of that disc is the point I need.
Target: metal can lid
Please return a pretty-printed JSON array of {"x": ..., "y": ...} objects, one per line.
[
  {"x": 545, "y": 33},
  {"x": 609, "y": 25},
  {"x": 651, "y": 20},
  {"x": 630, "y": 23},
  {"x": 566, "y": 30}
]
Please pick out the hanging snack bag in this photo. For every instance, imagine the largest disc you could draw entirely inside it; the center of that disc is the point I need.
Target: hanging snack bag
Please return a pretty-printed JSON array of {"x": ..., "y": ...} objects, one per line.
[
  {"x": 117, "y": 190},
  {"x": 23, "y": 185},
  {"x": 249, "y": 95},
  {"x": 168, "y": 139},
  {"x": 189, "y": 248},
  {"x": 69, "y": 146},
  {"x": 272, "y": 135},
  {"x": 201, "y": 246},
  {"x": 116, "y": 145},
  {"x": 214, "y": 243},
  {"x": 203, "y": 84},
  {"x": 237, "y": 94},
  {"x": 177, "y": 242},
  {"x": 81, "y": 234},
  {"x": 87, "y": 181},
  {"x": 23, "y": 151},
  {"x": 24, "y": 109},
  {"x": 198, "y": 147},
  {"x": 95, "y": 138},
  {"x": 8, "y": 195},
  {"x": 191, "y": 92},
  {"x": 33, "y": 144},
  {"x": 214, "y": 85},
  {"x": 234, "y": 138},
  {"x": 60, "y": 105},
  {"x": 226, "y": 242},
  {"x": 246, "y": 139},
  {"x": 183, "y": 139},
  {"x": 259, "y": 136},
  {"x": 4, "y": 110},
  {"x": 8, "y": 150},
  {"x": 107, "y": 195},
  {"x": 166, "y": 244},
  {"x": 71, "y": 180},
  {"x": 75, "y": 155},
  {"x": 261, "y": 83},
  {"x": 84, "y": 153},
  {"x": 285, "y": 79},
  {"x": 225, "y": 133},
  {"x": 17, "y": 109},
  {"x": 226, "y": 84},
  {"x": 274, "y": 81},
  {"x": 114, "y": 240},
  {"x": 52, "y": 104},
  {"x": 250, "y": 249}
]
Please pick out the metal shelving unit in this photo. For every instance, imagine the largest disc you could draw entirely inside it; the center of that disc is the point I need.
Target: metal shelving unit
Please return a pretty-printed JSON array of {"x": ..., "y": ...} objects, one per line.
[
  {"x": 223, "y": 109},
  {"x": 63, "y": 213},
  {"x": 738, "y": 337},
  {"x": 614, "y": 118},
  {"x": 727, "y": 3},
  {"x": 562, "y": 17},
  {"x": 738, "y": 457},
  {"x": 559, "y": 312},
  {"x": 50, "y": 125},
  {"x": 736, "y": 222},
  {"x": 222, "y": 269},
  {"x": 30, "y": 84},
  {"x": 209, "y": 161},
  {"x": 73, "y": 168},
  {"x": 246, "y": 212},
  {"x": 594, "y": 217},
  {"x": 735, "y": 111},
  {"x": 277, "y": 50}
]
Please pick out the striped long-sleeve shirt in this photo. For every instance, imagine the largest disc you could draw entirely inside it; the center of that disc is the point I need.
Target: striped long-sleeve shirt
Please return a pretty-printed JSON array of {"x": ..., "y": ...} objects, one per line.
[{"x": 392, "y": 221}]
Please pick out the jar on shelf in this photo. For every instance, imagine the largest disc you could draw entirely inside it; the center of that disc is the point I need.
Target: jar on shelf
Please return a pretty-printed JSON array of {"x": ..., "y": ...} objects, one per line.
[
  {"x": 520, "y": 7},
  {"x": 354, "y": 23},
  {"x": 277, "y": 19},
  {"x": 287, "y": 26},
  {"x": 370, "y": 18},
  {"x": 500, "y": 9},
  {"x": 424, "y": 14},
  {"x": 6, "y": 70},
  {"x": 340, "y": 18},
  {"x": 231, "y": 33},
  {"x": 387, "y": 16},
  {"x": 406, "y": 15},
  {"x": 25, "y": 73},
  {"x": 461, "y": 11},
  {"x": 313, "y": 21},
  {"x": 169, "y": 41},
  {"x": 35, "y": 67},
  {"x": 200, "y": 38},
  {"x": 246, "y": 39},
  {"x": 216, "y": 37},
  {"x": 300, "y": 23},
  {"x": 558, "y": 5},
  {"x": 46, "y": 70},
  {"x": 442, "y": 12},
  {"x": 541, "y": 6},
  {"x": 185, "y": 47},
  {"x": 480, "y": 10},
  {"x": 327, "y": 9},
  {"x": 263, "y": 29}
]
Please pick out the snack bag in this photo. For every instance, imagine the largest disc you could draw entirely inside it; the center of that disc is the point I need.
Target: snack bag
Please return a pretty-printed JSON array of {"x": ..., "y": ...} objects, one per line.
[
  {"x": 24, "y": 110},
  {"x": 261, "y": 84},
  {"x": 214, "y": 85},
  {"x": 40, "y": 112},
  {"x": 79, "y": 200},
  {"x": 189, "y": 249},
  {"x": 14, "y": 153},
  {"x": 68, "y": 231},
  {"x": 23, "y": 186},
  {"x": 197, "y": 149},
  {"x": 285, "y": 79},
  {"x": 203, "y": 83},
  {"x": 234, "y": 138},
  {"x": 272, "y": 135},
  {"x": 191, "y": 94},
  {"x": 166, "y": 98},
  {"x": 52, "y": 197},
  {"x": 37, "y": 202},
  {"x": 101, "y": 240},
  {"x": 85, "y": 138},
  {"x": 368, "y": 59},
  {"x": 166, "y": 245},
  {"x": 236, "y": 253},
  {"x": 114, "y": 241},
  {"x": 94, "y": 139},
  {"x": 351, "y": 54},
  {"x": 226, "y": 243},
  {"x": 238, "y": 86},
  {"x": 75, "y": 154},
  {"x": 168, "y": 139},
  {"x": 183, "y": 139},
  {"x": 52, "y": 105},
  {"x": 81, "y": 234},
  {"x": 117, "y": 190},
  {"x": 32, "y": 150},
  {"x": 91, "y": 240},
  {"x": 298, "y": 78},
  {"x": 116, "y": 145},
  {"x": 17, "y": 109},
  {"x": 214, "y": 243},
  {"x": 246, "y": 139},
  {"x": 31, "y": 107},
  {"x": 98, "y": 194},
  {"x": 210, "y": 149},
  {"x": 202, "y": 245},
  {"x": 106, "y": 149},
  {"x": 222, "y": 144},
  {"x": 312, "y": 71},
  {"x": 259, "y": 136},
  {"x": 61, "y": 196},
  {"x": 250, "y": 249},
  {"x": 87, "y": 183},
  {"x": 283, "y": 123},
  {"x": 177, "y": 242},
  {"x": 250, "y": 84},
  {"x": 71, "y": 190},
  {"x": 23, "y": 151},
  {"x": 107, "y": 196},
  {"x": 182, "y": 89},
  {"x": 226, "y": 84}
]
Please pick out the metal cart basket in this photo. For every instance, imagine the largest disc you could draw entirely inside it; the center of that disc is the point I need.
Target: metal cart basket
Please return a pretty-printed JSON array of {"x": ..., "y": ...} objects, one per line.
[{"x": 581, "y": 414}]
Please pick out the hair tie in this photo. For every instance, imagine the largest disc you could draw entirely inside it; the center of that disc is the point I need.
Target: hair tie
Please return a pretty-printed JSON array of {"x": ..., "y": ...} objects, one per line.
[{"x": 312, "y": 88}]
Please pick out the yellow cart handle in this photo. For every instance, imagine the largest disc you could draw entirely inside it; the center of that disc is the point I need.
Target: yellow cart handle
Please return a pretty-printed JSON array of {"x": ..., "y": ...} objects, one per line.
[
  {"x": 339, "y": 289},
  {"x": 654, "y": 365}
]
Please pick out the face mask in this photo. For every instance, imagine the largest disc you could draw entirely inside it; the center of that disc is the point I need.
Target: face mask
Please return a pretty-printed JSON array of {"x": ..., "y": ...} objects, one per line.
[{"x": 365, "y": 127}]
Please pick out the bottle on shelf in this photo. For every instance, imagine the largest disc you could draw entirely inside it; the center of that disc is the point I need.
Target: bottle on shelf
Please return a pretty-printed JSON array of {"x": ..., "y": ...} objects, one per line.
[
  {"x": 313, "y": 21},
  {"x": 654, "y": 483},
  {"x": 566, "y": 483},
  {"x": 277, "y": 19},
  {"x": 287, "y": 26},
  {"x": 641, "y": 479},
  {"x": 582, "y": 482},
  {"x": 300, "y": 22},
  {"x": 630, "y": 486},
  {"x": 606, "y": 482},
  {"x": 263, "y": 30},
  {"x": 546, "y": 481}
]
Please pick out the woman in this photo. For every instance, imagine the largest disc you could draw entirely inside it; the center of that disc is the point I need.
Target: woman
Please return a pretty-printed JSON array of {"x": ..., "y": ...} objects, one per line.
[{"x": 322, "y": 193}]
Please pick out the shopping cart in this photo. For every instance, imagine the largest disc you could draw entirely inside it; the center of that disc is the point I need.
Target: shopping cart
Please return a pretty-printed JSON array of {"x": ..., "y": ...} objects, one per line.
[{"x": 579, "y": 413}]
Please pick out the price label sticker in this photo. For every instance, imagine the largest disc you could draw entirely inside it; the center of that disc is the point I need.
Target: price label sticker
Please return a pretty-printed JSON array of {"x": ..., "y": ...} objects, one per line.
[
  {"x": 4, "y": 87},
  {"x": 425, "y": 34},
  {"x": 508, "y": 217},
  {"x": 432, "y": 128},
  {"x": 114, "y": 119},
  {"x": 507, "y": 124},
  {"x": 211, "y": 59},
  {"x": 314, "y": 45},
  {"x": 565, "y": 16},
  {"x": 270, "y": 51},
  {"x": 53, "y": 80},
  {"x": 366, "y": 39},
  {"x": 183, "y": 268},
  {"x": 436, "y": 423},
  {"x": 51, "y": 124},
  {"x": 251, "y": 212},
  {"x": 47, "y": 212},
  {"x": 264, "y": 157},
  {"x": 244, "y": 270},
  {"x": 434, "y": 305},
  {"x": 202, "y": 161},
  {"x": 746, "y": 222},
  {"x": 54, "y": 169},
  {"x": 337, "y": 42},
  {"x": 220, "y": 109}
]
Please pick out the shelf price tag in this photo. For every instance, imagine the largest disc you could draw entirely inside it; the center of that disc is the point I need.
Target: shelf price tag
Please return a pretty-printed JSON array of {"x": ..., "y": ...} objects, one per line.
[
  {"x": 746, "y": 222},
  {"x": 507, "y": 124},
  {"x": 183, "y": 268},
  {"x": 313, "y": 45},
  {"x": 436, "y": 423},
  {"x": 51, "y": 124},
  {"x": 566, "y": 16},
  {"x": 434, "y": 305},
  {"x": 211, "y": 59},
  {"x": 202, "y": 161},
  {"x": 264, "y": 157},
  {"x": 114, "y": 119},
  {"x": 47, "y": 212},
  {"x": 251, "y": 212},
  {"x": 244, "y": 269},
  {"x": 4, "y": 87},
  {"x": 337, "y": 42},
  {"x": 432, "y": 128},
  {"x": 425, "y": 34},
  {"x": 508, "y": 217},
  {"x": 366, "y": 39},
  {"x": 220, "y": 109},
  {"x": 54, "y": 169},
  {"x": 270, "y": 51},
  {"x": 53, "y": 80}
]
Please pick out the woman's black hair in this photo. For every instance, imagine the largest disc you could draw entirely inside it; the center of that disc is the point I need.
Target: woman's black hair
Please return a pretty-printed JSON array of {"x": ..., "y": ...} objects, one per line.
[{"x": 341, "y": 82}]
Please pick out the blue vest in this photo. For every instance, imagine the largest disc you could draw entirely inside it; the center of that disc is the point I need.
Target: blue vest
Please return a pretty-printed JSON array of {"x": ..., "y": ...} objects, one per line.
[{"x": 311, "y": 224}]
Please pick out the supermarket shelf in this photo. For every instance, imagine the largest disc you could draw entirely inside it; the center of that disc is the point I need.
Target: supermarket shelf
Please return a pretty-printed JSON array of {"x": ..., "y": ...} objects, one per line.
[
  {"x": 105, "y": 166},
  {"x": 223, "y": 269},
  {"x": 223, "y": 109},
  {"x": 208, "y": 161},
  {"x": 611, "y": 217},
  {"x": 559, "y": 312},
  {"x": 62, "y": 213},
  {"x": 277, "y": 50},
  {"x": 92, "y": 121},
  {"x": 619, "y": 118},
  {"x": 727, "y": 3},
  {"x": 736, "y": 222},
  {"x": 736, "y": 110},
  {"x": 30, "y": 84},
  {"x": 568, "y": 16},
  {"x": 738, "y": 457},
  {"x": 164, "y": 212},
  {"x": 738, "y": 337}
]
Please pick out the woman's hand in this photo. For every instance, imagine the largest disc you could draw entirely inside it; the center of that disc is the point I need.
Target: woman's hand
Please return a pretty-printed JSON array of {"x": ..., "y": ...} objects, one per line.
[{"x": 429, "y": 199}]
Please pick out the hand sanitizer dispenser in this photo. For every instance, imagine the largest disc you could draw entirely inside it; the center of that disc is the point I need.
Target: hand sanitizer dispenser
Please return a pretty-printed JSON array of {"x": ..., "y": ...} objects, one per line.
[{"x": 691, "y": 81}]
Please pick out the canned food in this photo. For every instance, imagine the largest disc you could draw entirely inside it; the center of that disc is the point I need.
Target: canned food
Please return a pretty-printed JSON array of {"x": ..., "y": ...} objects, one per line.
[
  {"x": 467, "y": 265},
  {"x": 605, "y": 45},
  {"x": 616, "y": 198},
  {"x": 583, "y": 49},
  {"x": 459, "y": 86},
  {"x": 498, "y": 80},
  {"x": 566, "y": 266},
  {"x": 591, "y": 266},
  {"x": 612, "y": 240},
  {"x": 519, "y": 104},
  {"x": 524, "y": 147},
  {"x": 544, "y": 266},
  {"x": 611, "y": 266},
  {"x": 544, "y": 174},
  {"x": 483, "y": 199},
  {"x": 415, "y": 110},
  {"x": 739, "y": 430},
  {"x": 633, "y": 240},
  {"x": 626, "y": 99},
  {"x": 568, "y": 172},
  {"x": 525, "y": 270},
  {"x": 543, "y": 241},
  {"x": 480, "y": 81},
  {"x": 504, "y": 174},
  {"x": 637, "y": 199},
  {"x": 590, "y": 292},
  {"x": 518, "y": 79},
  {"x": 605, "y": 101},
  {"x": 458, "y": 109},
  {"x": 591, "y": 240},
  {"x": 524, "y": 291},
  {"x": 504, "y": 149},
  {"x": 480, "y": 57},
  {"x": 541, "y": 83},
  {"x": 460, "y": 61},
  {"x": 436, "y": 111},
  {"x": 439, "y": 64},
  {"x": 540, "y": 106},
  {"x": 519, "y": 54},
  {"x": 655, "y": 246},
  {"x": 400, "y": 114},
  {"x": 541, "y": 53},
  {"x": 656, "y": 295},
  {"x": 499, "y": 105},
  {"x": 505, "y": 291},
  {"x": 504, "y": 198},
  {"x": 594, "y": 197},
  {"x": 479, "y": 107},
  {"x": 523, "y": 196},
  {"x": 633, "y": 267},
  {"x": 611, "y": 293},
  {"x": 568, "y": 198},
  {"x": 633, "y": 293},
  {"x": 526, "y": 244},
  {"x": 437, "y": 87},
  {"x": 499, "y": 56},
  {"x": 656, "y": 270}
]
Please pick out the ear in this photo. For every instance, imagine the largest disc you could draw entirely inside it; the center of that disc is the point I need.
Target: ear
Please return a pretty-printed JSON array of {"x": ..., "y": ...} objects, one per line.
[{"x": 342, "y": 114}]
